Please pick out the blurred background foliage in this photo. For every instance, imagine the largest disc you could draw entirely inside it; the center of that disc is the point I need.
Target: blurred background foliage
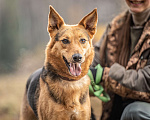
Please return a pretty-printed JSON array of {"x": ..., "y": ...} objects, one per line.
[{"x": 23, "y": 37}]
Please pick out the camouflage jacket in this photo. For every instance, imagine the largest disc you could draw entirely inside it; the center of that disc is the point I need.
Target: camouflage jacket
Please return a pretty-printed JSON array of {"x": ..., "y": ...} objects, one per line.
[{"x": 132, "y": 81}]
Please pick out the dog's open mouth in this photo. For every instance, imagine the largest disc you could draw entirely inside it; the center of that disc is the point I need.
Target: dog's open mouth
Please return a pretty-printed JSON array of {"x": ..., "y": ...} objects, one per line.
[{"x": 74, "y": 67}]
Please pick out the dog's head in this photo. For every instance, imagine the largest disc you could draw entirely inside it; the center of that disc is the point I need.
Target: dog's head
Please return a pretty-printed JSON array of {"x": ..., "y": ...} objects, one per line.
[{"x": 70, "y": 50}]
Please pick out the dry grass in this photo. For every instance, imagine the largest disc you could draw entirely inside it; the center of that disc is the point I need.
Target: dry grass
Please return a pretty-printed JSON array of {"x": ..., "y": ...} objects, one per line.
[
  {"x": 97, "y": 107},
  {"x": 11, "y": 92}
]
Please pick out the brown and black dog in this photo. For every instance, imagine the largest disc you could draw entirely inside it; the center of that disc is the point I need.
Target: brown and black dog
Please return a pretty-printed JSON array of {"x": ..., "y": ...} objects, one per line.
[{"x": 60, "y": 90}]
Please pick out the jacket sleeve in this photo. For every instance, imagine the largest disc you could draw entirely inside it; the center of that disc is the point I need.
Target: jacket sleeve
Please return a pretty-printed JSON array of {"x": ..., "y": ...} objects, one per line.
[
  {"x": 128, "y": 83},
  {"x": 135, "y": 80}
]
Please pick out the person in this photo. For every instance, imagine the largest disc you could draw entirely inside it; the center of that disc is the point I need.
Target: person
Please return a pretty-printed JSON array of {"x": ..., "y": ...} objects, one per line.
[{"x": 124, "y": 54}]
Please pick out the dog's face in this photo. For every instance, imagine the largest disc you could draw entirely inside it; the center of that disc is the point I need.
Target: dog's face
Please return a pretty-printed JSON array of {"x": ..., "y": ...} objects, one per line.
[{"x": 70, "y": 49}]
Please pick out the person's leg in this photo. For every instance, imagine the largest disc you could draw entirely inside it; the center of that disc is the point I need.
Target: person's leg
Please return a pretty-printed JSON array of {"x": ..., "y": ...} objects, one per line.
[{"x": 136, "y": 111}]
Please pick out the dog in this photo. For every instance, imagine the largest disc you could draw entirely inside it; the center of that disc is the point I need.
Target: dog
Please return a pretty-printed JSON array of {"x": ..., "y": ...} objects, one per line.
[{"x": 60, "y": 90}]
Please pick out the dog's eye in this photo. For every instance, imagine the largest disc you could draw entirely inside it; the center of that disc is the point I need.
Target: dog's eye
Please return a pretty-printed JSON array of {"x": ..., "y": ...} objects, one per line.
[
  {"x": 65, "y": 41},
  {"x": 82, "y": 41}
]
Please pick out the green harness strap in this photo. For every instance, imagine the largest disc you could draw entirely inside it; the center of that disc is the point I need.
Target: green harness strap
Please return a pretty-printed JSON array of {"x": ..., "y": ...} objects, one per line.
[{"x": 95, "y": 87}]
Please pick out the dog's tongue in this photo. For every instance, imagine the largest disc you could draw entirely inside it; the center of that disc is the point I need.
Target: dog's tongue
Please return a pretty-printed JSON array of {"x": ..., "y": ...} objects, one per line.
[{"x": 75, "y": 69}]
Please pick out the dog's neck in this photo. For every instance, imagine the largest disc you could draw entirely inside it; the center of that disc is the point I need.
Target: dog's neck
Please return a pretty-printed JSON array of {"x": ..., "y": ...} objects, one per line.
[{"x": 55, "y": 82}]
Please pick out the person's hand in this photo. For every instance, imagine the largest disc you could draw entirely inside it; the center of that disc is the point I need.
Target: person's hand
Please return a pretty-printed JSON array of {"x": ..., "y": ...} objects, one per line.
[{"x": 95, "y": 88}]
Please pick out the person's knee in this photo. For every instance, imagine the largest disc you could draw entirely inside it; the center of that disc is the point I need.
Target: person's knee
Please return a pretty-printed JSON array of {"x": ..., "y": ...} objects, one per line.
[
  {"x": 130, "y": 112},
  {"x": 136, "y": 111}
]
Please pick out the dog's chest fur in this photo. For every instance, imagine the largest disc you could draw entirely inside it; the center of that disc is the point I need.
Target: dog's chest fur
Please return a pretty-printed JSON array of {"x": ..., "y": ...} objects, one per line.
[{"x": 64, "y": 100}]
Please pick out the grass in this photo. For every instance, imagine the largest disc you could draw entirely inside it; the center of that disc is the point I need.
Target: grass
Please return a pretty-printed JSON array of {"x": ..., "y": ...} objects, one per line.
[{"x": 11, "y": 92}]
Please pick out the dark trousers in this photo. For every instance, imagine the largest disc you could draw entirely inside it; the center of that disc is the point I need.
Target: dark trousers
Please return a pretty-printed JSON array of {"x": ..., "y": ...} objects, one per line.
[{"x": 136, "y": 111}]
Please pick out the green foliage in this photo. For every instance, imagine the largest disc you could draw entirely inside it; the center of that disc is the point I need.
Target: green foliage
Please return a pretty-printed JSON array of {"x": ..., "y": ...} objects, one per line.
[{"x": 8, "y": 39}]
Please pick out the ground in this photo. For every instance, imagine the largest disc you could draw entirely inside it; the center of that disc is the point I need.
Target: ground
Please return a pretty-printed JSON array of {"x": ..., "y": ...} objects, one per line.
[{"x": 11, "y": 92}]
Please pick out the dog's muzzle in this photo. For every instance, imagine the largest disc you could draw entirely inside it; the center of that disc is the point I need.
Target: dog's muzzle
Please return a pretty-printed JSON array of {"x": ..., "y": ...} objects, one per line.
[{"x": 74, "y": 66}]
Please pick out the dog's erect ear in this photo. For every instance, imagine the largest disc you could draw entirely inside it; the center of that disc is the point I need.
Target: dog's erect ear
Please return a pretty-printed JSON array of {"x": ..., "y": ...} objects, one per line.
[
  {"x": 89, "y": 22},
  {"x": 55, "y": 21}
]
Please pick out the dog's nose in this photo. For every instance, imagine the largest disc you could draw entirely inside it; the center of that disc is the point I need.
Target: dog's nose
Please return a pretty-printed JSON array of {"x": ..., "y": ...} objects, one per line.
[{"x": 77, "y": 57}]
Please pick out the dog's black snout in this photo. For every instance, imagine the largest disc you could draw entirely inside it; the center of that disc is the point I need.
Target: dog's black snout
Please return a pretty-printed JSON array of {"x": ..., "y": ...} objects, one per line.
[{"x": 77, "y": 57}]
